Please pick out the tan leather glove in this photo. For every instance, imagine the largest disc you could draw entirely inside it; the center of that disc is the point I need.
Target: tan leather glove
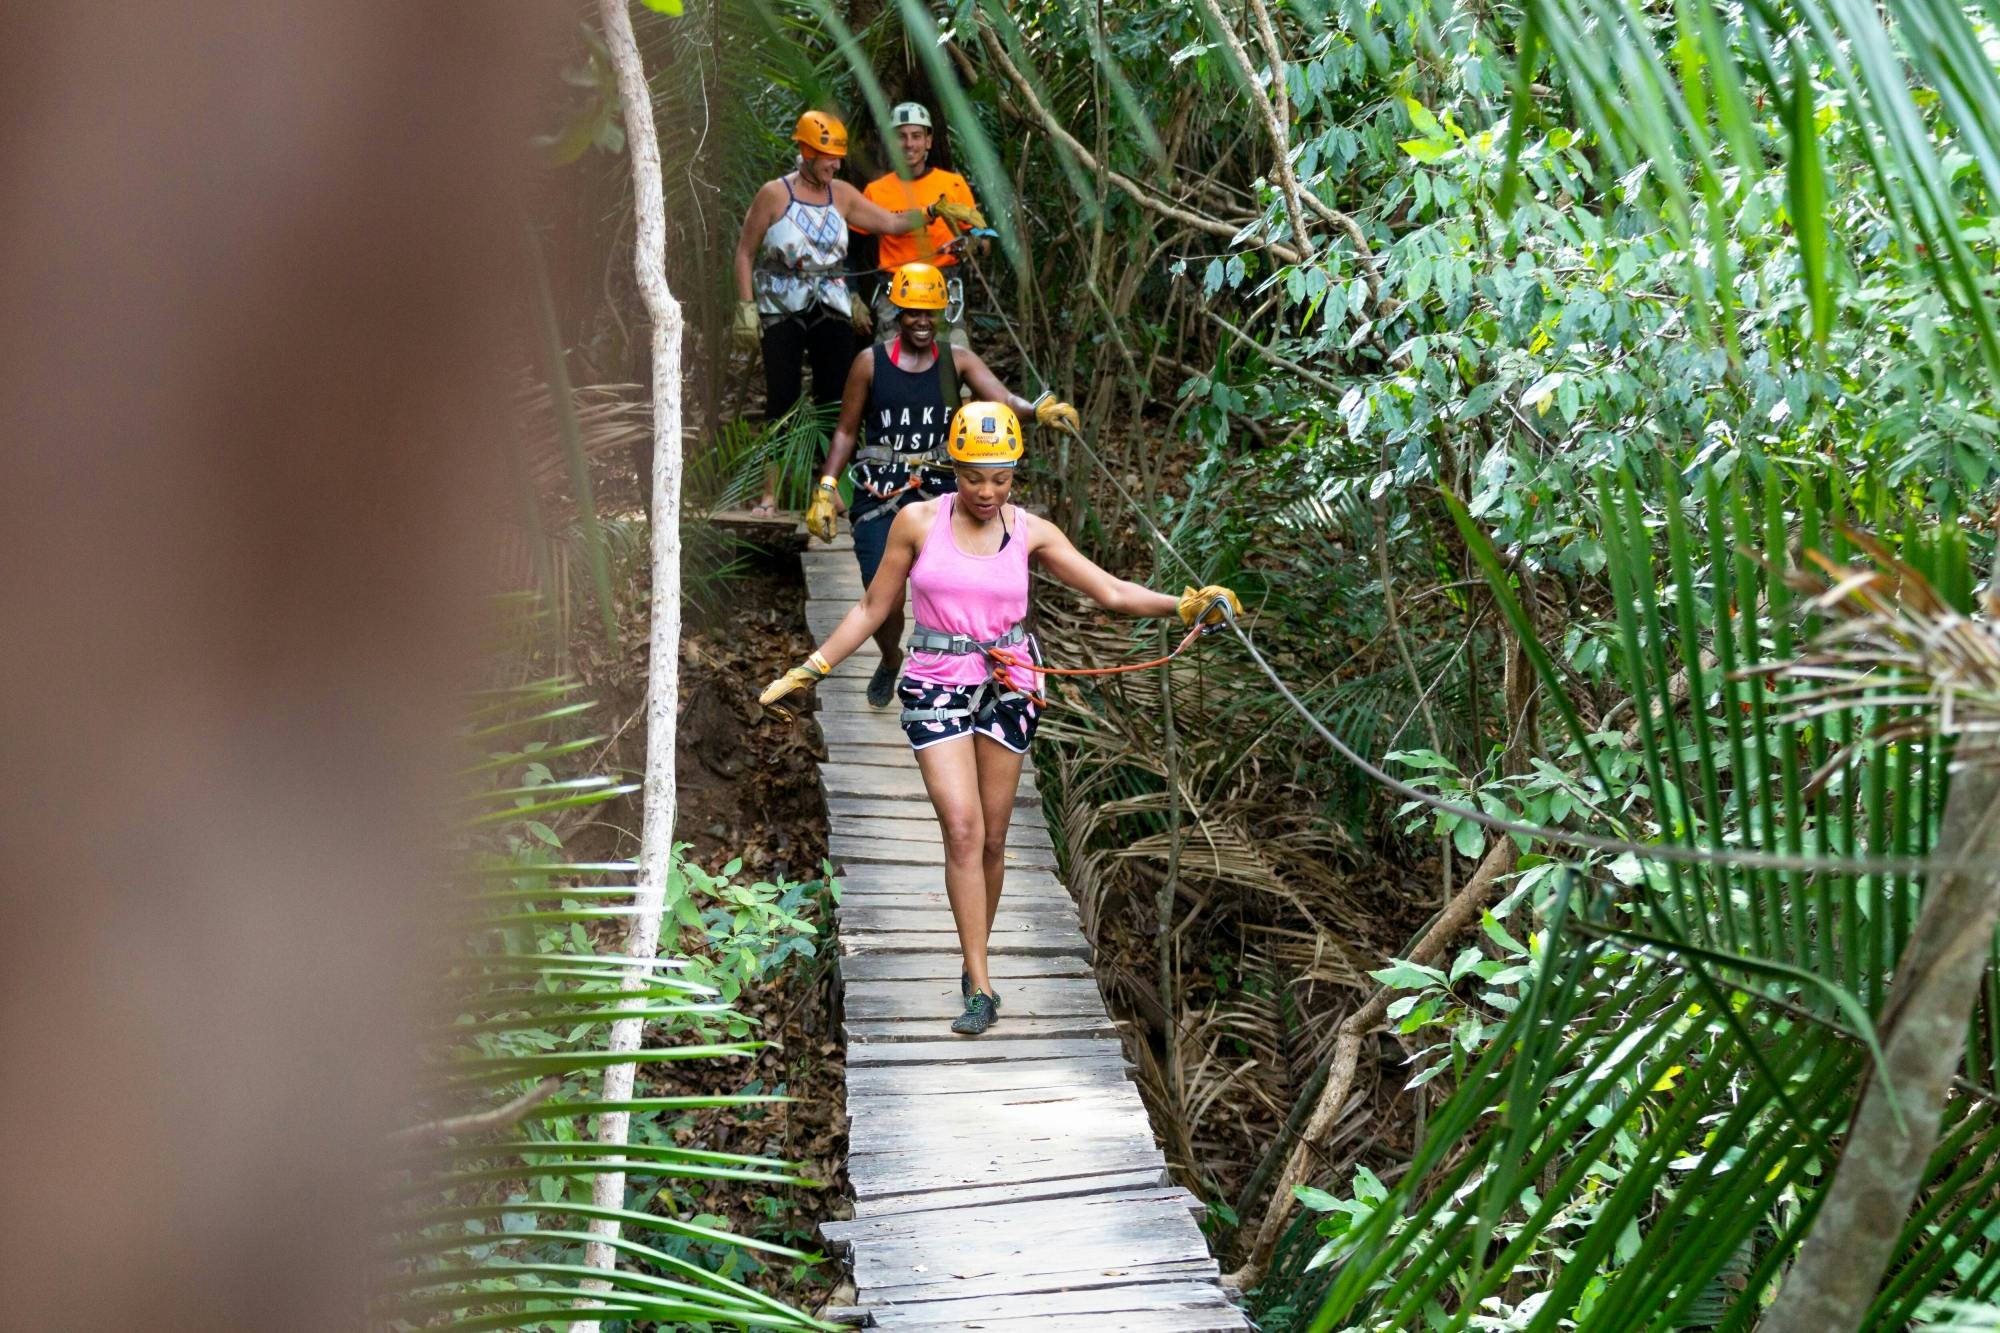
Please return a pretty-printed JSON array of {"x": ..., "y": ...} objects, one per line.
[
  {"x": 1201, "y": 602},
  {"x": 858, "y": 316},
  {"x": 964, "y": 215},
  {"x": 800, "y": 678},
  {"x": 820, "y": 510},
  {"x": 1052, "y": 411},
  {"x": 749, "y": 326}
]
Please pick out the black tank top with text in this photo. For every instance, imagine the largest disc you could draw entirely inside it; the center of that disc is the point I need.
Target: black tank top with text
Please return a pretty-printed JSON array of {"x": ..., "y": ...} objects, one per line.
[{"x": 905, "y": 414}]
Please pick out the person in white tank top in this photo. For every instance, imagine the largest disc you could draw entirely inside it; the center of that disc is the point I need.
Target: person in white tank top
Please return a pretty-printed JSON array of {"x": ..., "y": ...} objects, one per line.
[{"x": 971, "y": 738}]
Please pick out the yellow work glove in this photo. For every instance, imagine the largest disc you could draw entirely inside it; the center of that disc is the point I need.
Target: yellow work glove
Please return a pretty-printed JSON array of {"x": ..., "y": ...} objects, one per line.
[
  {"x": 800, "y": 678},
  {"x": 1052, "y": 411},
  {"x": 964, "y": 215},
  {"x": 749, "y": 326},
  {"x": 819, "y": 511},
  {"x": 1201, "y": 602}
]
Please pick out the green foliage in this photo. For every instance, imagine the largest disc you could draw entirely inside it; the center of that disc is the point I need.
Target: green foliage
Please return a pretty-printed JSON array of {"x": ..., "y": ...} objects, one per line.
[{"x": 488, "y": 1215}]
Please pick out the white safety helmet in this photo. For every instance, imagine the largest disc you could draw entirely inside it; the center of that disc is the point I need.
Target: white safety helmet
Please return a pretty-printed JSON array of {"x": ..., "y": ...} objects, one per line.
[{"x": 910, "y": 113}]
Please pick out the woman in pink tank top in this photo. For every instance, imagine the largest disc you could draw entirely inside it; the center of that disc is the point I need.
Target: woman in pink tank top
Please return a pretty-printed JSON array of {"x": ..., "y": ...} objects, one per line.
[{"x": 965, "y": 558}]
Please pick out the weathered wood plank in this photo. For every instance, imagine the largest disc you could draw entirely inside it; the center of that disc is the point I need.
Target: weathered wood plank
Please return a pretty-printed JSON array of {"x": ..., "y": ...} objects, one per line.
[
  {"x": 1220, "y": 1318},
  {"x": 1027, "y": 805},
  {"x": 883, "y": 920},
  {"x": 1082, "y": 1279},
  {"x": 960, "y": 1051},
  {"x": 1030, "y": 1216},
  {"x": 1029, "y": 997},
  {"x": 929, "y": 941},
  {"x": 831, "y": 776},
  {"x": 1021, "y": 833},
  {"x": 1107, "y": 1300},
  {"x": 927, "y": 877},
  {"x": 1015, "y": 1028},
  {"x": 945, "y": 966},
  {"x": 1106, "y": 1068},
  {"x": 927, "y": 899},
  {"x": 909, "y": 1171},
  {"x": 859, "y": 850},
  {"x": 1018, "y": 1192}
]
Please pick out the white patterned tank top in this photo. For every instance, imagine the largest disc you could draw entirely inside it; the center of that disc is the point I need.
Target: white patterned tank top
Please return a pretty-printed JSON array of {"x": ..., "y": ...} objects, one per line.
[{"x": 799, "y": 265}]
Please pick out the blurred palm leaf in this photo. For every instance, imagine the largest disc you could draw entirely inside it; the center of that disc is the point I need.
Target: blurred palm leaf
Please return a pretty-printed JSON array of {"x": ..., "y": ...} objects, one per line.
[{"x": 488, "y": 1202}]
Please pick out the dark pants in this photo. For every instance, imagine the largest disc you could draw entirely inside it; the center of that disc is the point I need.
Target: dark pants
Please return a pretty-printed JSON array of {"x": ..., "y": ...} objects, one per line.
[
  {"x": 820, "y": 336},
  {"x": 871, "y": 518}
]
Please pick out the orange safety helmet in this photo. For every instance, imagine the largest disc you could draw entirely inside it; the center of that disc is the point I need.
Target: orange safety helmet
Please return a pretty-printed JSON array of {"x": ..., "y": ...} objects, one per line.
[
  {"x": 918, "y": 286},
  {"x": 985, "y": 435},
  {"x": 822, "y": 133}
]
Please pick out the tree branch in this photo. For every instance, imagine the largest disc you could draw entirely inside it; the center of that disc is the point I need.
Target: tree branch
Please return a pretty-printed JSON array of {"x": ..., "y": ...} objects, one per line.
[
  {"x": 1274, "y": 129},
  {"x": 1885, "y": 1162},
  {"x": 1126, "y": 185},
  {"x": 1460, "y": 912}
]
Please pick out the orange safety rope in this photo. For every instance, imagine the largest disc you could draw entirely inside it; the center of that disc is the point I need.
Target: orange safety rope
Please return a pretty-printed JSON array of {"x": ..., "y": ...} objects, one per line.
[{"x": 1003, "y": 658}]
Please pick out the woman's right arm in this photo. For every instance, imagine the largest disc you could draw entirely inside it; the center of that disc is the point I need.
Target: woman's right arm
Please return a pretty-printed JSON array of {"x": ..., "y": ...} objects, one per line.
[
  {"x": 885, "y": 593},
  {"x": 756, "y": 222},
  {"x": 853, "y": 400}
]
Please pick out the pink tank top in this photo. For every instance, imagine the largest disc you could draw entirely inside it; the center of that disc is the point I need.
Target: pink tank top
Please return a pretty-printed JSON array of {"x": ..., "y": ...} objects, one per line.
[{"x": 981, "y": 596}]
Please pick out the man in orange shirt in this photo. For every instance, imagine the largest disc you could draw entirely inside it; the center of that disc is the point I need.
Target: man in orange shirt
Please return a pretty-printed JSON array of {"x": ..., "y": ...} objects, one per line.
[{"x": 919, "y": 186}]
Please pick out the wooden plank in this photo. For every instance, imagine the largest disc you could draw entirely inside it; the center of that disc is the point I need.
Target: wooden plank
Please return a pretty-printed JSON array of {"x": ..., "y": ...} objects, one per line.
[
  {"x": 1009, "y": 1250},
  {"x": 963, "y": 1050},
  {"x": 928, "y": 941},
  {"x": 1028, "y": 805},
  {"x": 1028, "y": 997},
  {"x": 1014, "y": 1028},
  {"x": 1010, "y": 1193},
  {"x": 1025, "y": 832},
  {"x": 1029, "y": 1216},
  {"x": 834, "y": 778},
  {"x": 1105, "y": 1068},
  {"x": 903, "y": 784},
  {"x": 928, "y": 877},
  {"x": 1106, "y": 1300},
  {"x": 958, "y": 1165},
  {"x": 846, "y": 848},
  {"x": 1073, "y": 1280},
  {"x": 1222, "y": 1318},
  {"x": 887, "y": 920},
  {"x": 945, "y": 966},
  {"x": 1031, "y": 897}
]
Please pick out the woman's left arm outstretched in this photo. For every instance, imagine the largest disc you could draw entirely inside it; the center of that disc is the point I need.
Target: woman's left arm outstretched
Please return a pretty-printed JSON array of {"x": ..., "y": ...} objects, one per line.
[{"x": 1061, "y": 558}]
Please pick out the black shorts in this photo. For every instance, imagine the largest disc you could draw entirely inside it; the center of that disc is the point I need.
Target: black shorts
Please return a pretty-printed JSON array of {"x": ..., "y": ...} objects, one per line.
[{"x": 1010, "y": 721}]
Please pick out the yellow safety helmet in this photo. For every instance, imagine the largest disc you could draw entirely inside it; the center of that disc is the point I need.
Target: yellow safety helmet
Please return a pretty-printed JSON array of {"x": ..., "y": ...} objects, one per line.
[
  {"x": 984, "y": 435},
  {"x": 822, "y": 133},
  {"x": 918, "y": 286}
]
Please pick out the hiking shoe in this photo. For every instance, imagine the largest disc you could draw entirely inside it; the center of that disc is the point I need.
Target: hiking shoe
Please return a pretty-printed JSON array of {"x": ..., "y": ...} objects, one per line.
[
  {"x": 882, "y": 686},
  {"x": 965, "y": 990},
  {"x": 980, "y": 1011}
]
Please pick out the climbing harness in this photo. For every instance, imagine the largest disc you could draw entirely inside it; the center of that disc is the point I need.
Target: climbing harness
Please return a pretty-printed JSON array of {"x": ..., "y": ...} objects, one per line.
[{"x": 1000, "y": 686}]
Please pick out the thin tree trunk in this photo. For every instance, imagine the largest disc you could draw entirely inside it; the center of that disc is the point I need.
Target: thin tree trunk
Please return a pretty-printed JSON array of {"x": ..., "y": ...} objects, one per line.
[
  {"x": 1852, "y": 1243},
  {"x": 642, "y": 940}
]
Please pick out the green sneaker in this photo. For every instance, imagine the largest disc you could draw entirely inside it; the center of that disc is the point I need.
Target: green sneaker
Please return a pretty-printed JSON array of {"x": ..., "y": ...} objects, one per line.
[
  {"x": 965, "y": 990},
  {"x": 980, "y": 1011}
]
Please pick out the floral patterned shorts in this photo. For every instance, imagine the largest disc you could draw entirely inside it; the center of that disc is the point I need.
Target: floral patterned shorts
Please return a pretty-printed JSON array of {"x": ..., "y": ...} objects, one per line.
[{"x": 1010, "y": 721}]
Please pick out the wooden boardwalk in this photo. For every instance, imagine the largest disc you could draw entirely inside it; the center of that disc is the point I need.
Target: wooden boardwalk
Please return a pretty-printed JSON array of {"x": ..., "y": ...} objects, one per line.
[{"x": 1009, "y": 1181}]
